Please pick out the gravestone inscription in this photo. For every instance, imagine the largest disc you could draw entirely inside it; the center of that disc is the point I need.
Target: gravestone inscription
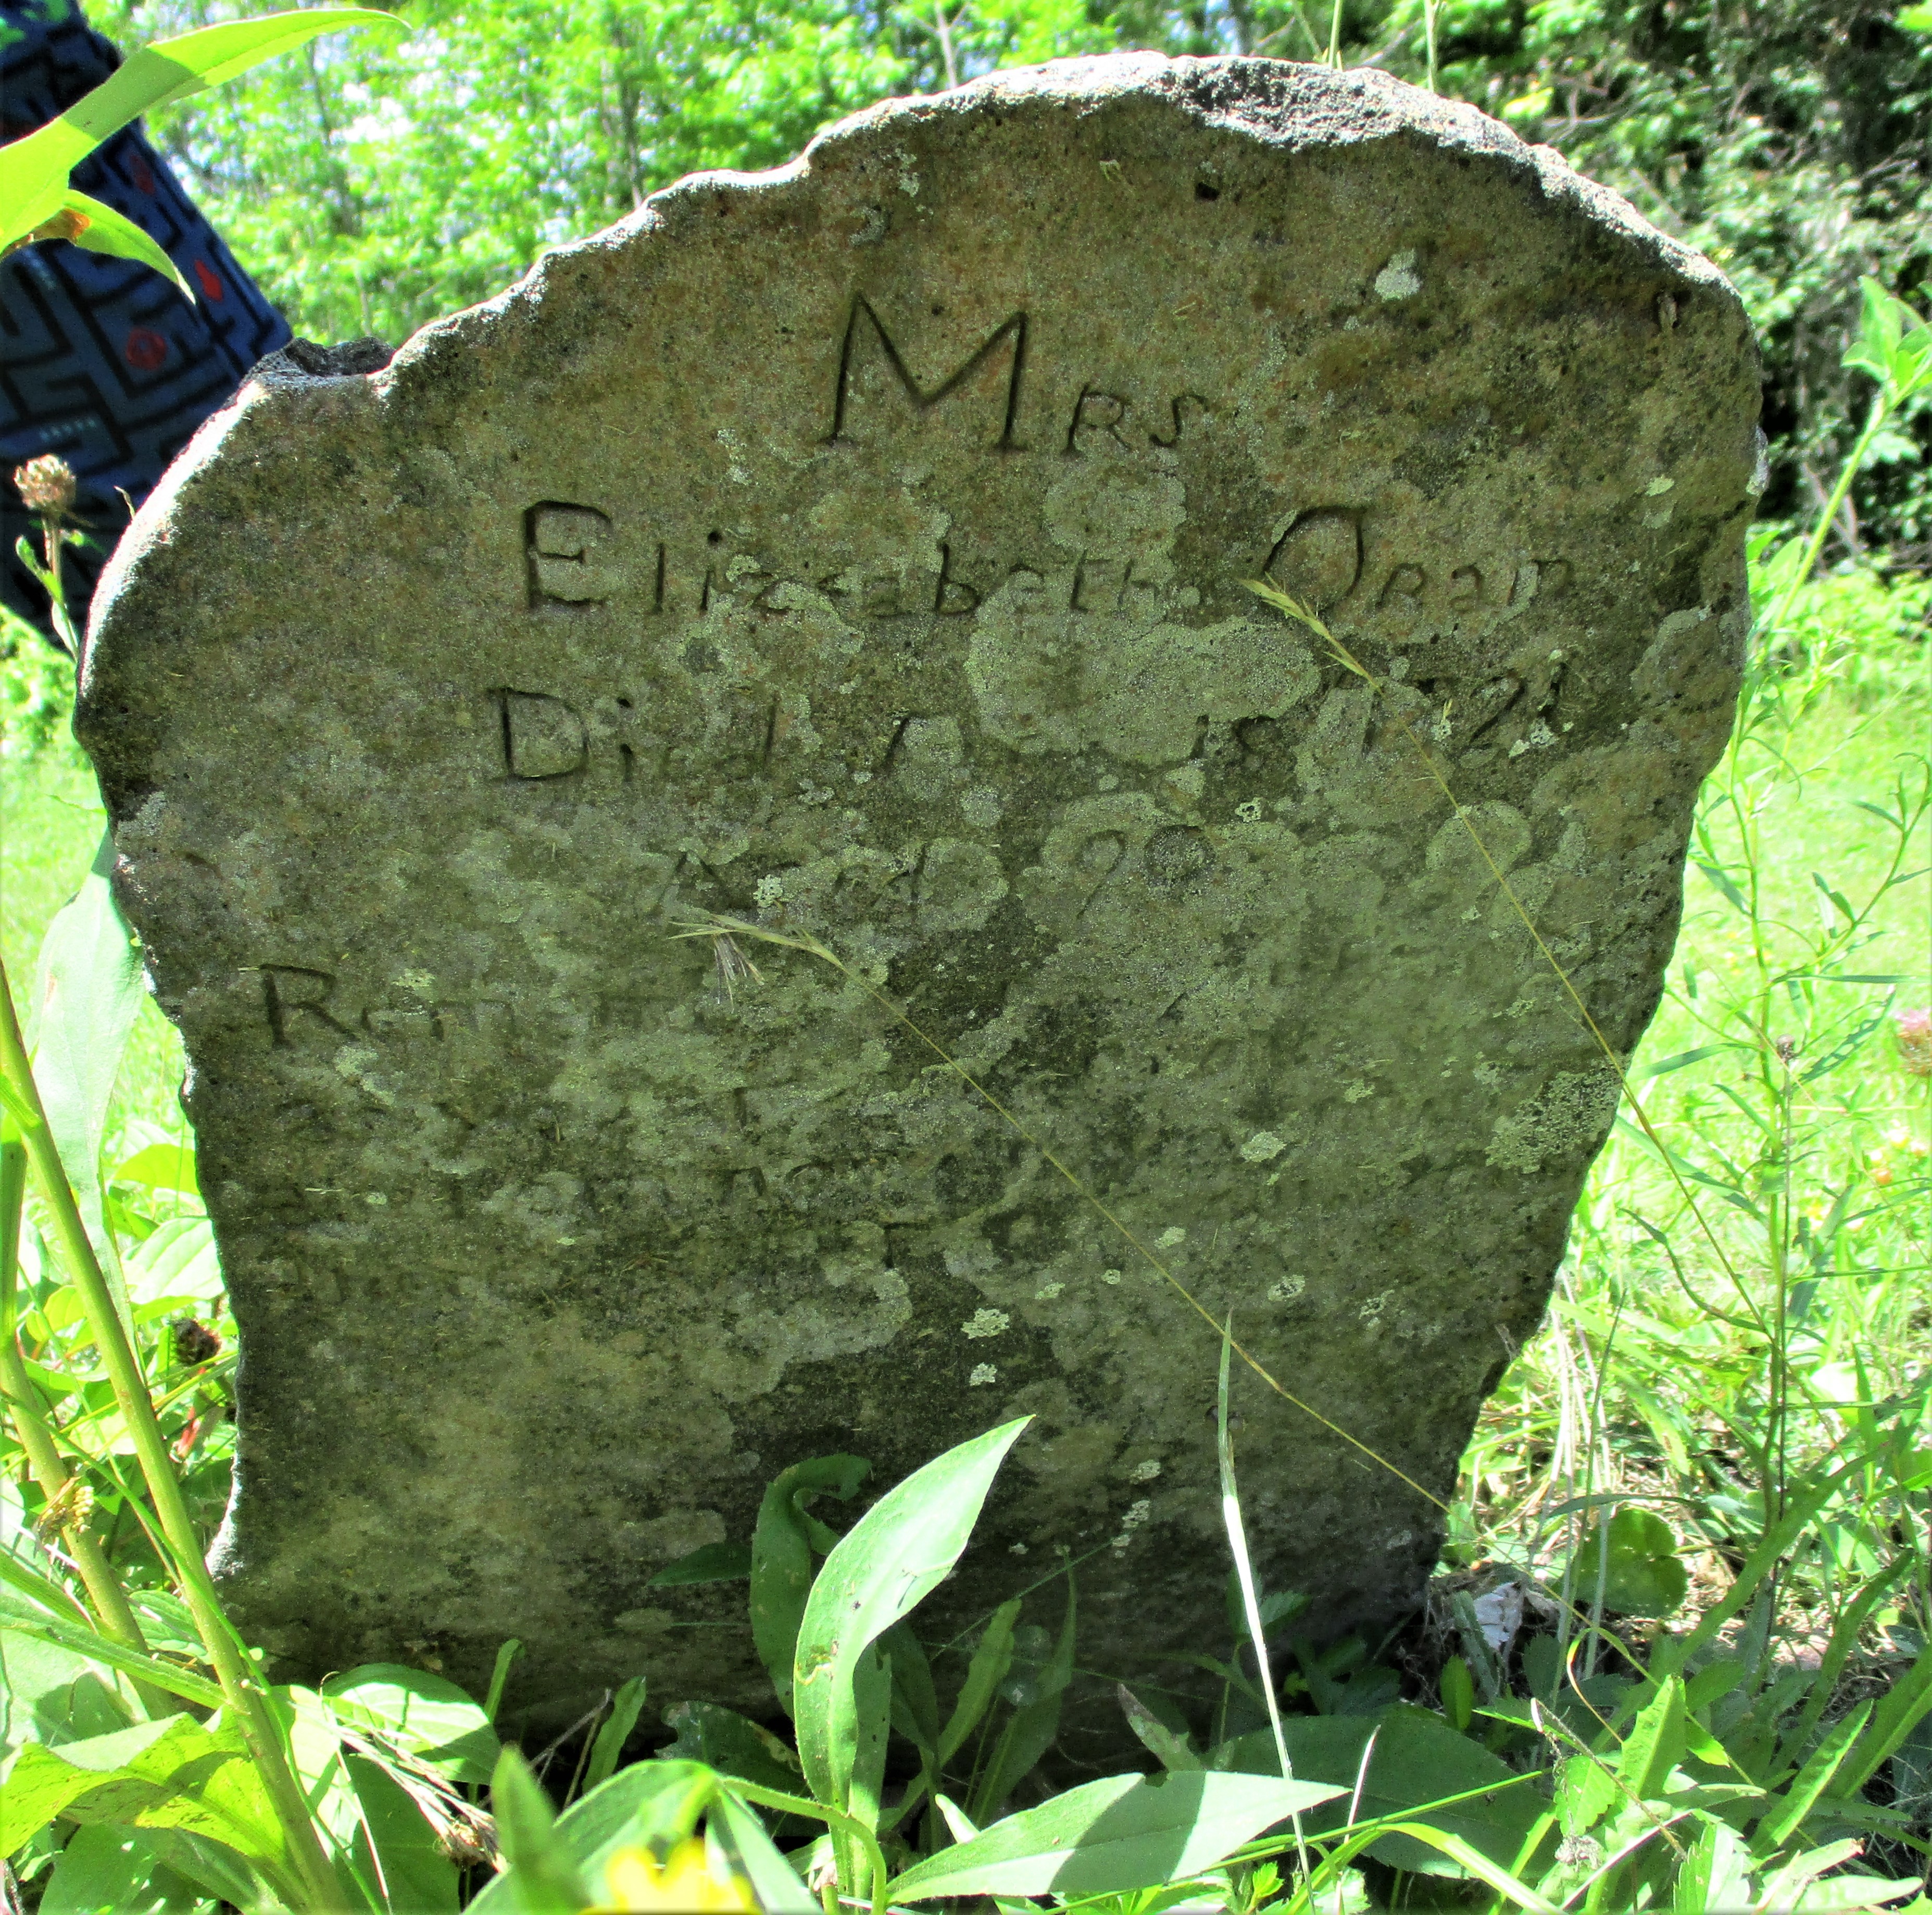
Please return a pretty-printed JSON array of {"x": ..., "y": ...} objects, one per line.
[{"x": 859, "y": 550}]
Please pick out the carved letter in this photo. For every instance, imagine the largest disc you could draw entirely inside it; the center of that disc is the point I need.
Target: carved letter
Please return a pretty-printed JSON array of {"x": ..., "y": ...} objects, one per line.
[
  {"x": 1010, "y": 334},
  {"x": 543, "y": 737},
  {"x": 560, "y": 545},
  {"x": 954, "y": 595},
  {"x": 1401, "y": 598},
  {"x": 1179, "y": 399},
  {"x": 289, "y": 990},
  {"x": 1096, "y": 411}
]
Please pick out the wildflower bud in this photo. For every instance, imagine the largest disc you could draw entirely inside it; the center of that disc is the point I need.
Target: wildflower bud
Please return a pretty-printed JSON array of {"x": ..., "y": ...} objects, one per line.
[
  {"x": 46, "y": 485},
  {"x": 1915, "y": 1041}
]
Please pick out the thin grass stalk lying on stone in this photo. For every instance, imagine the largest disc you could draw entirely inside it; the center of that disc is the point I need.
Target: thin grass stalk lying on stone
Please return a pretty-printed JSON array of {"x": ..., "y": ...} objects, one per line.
[
  {"x": 1251, "y": 1603},
  {"x": 239, "y": 1684},
  {"x": 721, "y": 929}
]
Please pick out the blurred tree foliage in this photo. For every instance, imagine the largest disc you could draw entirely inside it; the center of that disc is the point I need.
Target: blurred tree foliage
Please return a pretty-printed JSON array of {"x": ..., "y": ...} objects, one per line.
[{"x": 372, "y": 188}]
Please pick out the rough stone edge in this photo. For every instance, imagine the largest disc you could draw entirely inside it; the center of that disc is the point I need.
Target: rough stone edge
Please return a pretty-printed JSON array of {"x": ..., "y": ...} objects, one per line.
[{"x": 1287, "y": 104}]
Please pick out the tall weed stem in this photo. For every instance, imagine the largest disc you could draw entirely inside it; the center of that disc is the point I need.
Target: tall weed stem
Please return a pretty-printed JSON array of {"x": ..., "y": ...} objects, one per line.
[{"x": 239, "y": 1683}]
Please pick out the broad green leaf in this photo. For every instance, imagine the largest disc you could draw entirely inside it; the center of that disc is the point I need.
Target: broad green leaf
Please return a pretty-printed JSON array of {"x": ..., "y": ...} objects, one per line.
[
  {"x": 715, "y": 1562},
  {"x": 53, "y": 1695},
  {"x": 891, "y": 1559},
  {"x": 1899, "y": 1710},
  {"x": 1113, "y": 1836},
  {"x": 1645, "y": 1576},
  {"x": 89, "y": 990},
  {"x": 426, "y": 1715},
  {"x": 992, "y": 1656},
  {"x": 726, "y": 1741},
  {"x": 1418, "y": 1759},
  {"x": 1655, "y": 1744},
  {"x": 102, "y": 230},
  {"x": 781, "y": 1547},
  {"x": 626, "y": 1707},
  {"x": 1915, "y": 19},
  {"x": 111, "y": 1872},
  {"x": 162, "y": 1777},
  {"x": 542, "y": 1877},
  {"x": 1715, "y": 1874},
  {"x": 179, "y": 1259},
  {"x": 160, "y": 1167},
  {"x": 395, "y": 1846},
  {"x": 1838, "y": 1893}
]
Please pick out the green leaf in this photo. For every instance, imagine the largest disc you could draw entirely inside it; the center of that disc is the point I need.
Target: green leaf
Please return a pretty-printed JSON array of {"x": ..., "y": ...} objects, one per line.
[
  {"x": 542, "y": 1877},
  {"x": 655, "y": 1805},
  {"x": 1113, "y": 1836},
  {"x": 1459, "y": 1693},
  {"x": 395, "y": 1845},
  {"x": 1645, "y": 1575},
  {"x": 606, "y": 1752},
  {"x": 1915, "y": 19},
  {"x": 774, "y": 1880},
  {"x": 1894, "y": 345},
  {"x": 892, "y": 1558},
  {"x": 1030, "y": 1732},
  {"x": 915, "y": 1700},
  {"x": 1418, "y": 1759},
  {"x": 1787, "y": 1813},
  {"x": 1682, "y": 1060},
  {"x": 782, "y": 1543},
  {"x": 1655, "y": 1744},
  {"x": 110, "y": 1871},
  {"x": 89, "y": 990},
  {"x": 16, "y": 1616},
  {"x": 179, "y": 1259},
  {"x": 1171, "y": 1748},
  {"x": 992, "y": 1656},
  {"x": 1715, "y": 1874},
  {"x": 728, "y": 1743},
  {"x": 53, "y": 1695},
  {"x": 427, "y": 1715},
  {"x": 170, "y": 1779},
  {"x": 113, "y": 233},
  {"x": 715, "y": 1562},
  {"x": 1899, "y": 1711},
  {"x": 160, "y": 1167}
]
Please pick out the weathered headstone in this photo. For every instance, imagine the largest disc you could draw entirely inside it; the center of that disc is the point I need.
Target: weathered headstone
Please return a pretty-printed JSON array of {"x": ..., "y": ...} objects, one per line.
[{"x": 859, "y": 548}]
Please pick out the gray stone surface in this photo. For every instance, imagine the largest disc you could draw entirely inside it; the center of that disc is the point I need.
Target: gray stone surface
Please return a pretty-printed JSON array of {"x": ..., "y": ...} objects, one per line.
[{"x": 860, "y": 547}]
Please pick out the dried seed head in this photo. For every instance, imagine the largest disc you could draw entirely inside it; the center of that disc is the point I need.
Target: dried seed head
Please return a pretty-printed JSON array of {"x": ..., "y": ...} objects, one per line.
[
  {"x": 67, "y": 1511},
  {"x": 194, "y": 1342},
  {"x": 1914, "y": 1042},
  {"x": 46, "y": 485}
]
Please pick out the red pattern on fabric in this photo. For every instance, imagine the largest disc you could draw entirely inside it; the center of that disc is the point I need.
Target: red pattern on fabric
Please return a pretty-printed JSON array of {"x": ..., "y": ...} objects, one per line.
[
  {"x": 211, "y": 280},
  {"x": 146, "y": 349}
]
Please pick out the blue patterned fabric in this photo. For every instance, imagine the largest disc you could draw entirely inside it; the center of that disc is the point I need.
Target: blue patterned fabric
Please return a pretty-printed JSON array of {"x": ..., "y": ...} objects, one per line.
[{"x": 101, "y": 360}]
